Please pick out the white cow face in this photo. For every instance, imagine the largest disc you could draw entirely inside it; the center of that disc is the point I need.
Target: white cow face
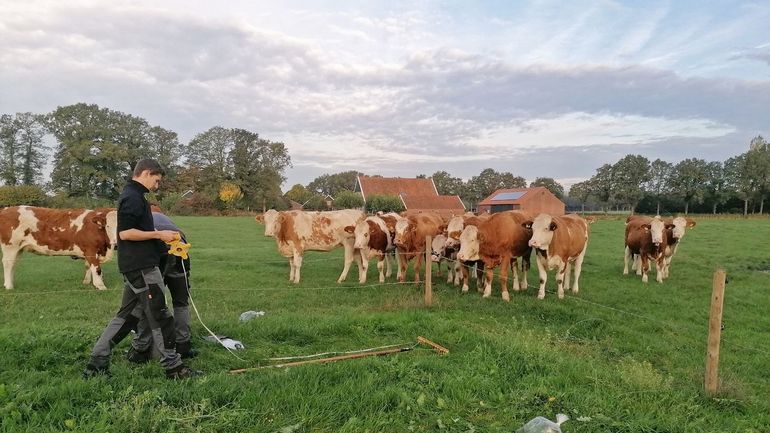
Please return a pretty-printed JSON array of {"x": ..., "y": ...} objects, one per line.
[
  {"x": 362, "y": 235},
  {"x": 656, "y": 231},
  {"x": 680, "y": 224},
  {"x": 469, "y": 244},
  {"x": 269, "y": 218},
  {"x": 438, "y": 247},
  {"x": 542, "y": 231},
  {"x": 402, "y": 231},
  {"x": 453, "y": 228},
  {"x": 112, "y": 227}
]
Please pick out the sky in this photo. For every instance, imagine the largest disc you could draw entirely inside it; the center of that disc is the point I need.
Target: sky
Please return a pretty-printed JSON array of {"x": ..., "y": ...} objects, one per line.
[{"x": 401, "y": 88}]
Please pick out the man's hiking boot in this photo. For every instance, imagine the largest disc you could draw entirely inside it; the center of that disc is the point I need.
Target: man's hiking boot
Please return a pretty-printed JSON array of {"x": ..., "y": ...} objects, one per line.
[
  {"x": 137, "y": 357},
  {"x": 92, "y": 371},
  {"x": 185, "y": 350},
  {"x": 181, "y": 372}
]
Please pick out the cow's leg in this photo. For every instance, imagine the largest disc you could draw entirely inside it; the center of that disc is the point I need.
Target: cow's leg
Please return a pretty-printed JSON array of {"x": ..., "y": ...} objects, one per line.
[
  {"x": 458, "y": 272},
  {"x": 525, "y": 264},
  {"x": 402, "y": 264},
  {"x": 291, "y": 269},
  {"x": 660, "y": 268},
  {"x": 362, "y": 261},
  {"x": 381, "y": 266},
  {"x": 543, "y": 273},
  {"x": 9, "y": 262},
  {"x": 626, "y": 258},
  {"x": 487, "y": 281},
  {"x": 504, "y": 266},
  {"x": 349, "y": 257},
  {"x": 567, "y": 275},
  {"x": 388, "y": 264},
  {"x": 297, "y": 265},
  {"x": 668, "y": 266},
  {"x": 645, "y": 266},
  {"x": 579, "y": 268},
  {"x": 561, "y": 271},
  {"x": 466, "y": 276},
  {"x": 418, "y": 267},
  {"x": 480, "y": 275},
  {"x": 87, "y": 276},
  {"x": 638, "y": 263},
  {"x": 515, "y": 271},
  {"x": 96, "y": 273}
]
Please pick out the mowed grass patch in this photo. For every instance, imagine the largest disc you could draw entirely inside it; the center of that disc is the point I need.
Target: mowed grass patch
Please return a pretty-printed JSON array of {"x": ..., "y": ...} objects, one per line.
[{"x": 621, "y": 355}]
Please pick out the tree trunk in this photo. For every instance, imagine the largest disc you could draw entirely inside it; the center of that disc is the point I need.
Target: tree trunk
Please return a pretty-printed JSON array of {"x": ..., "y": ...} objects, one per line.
[
  {"x": 761, "y": 205},
  {"x": 714, "y": 209},
  {"x": 686, "y": 207},
  {"x": 746, "y": 207},
  {"x": 658, "y": 212}
]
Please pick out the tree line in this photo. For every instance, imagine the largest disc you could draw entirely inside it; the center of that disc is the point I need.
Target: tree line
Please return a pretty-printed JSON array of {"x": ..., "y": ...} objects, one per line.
[{"x": 96, "y": 148}]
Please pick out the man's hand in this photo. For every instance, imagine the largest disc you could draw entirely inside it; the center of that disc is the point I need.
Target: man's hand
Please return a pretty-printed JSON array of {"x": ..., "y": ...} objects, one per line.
[{"x": 167, "y": 235}]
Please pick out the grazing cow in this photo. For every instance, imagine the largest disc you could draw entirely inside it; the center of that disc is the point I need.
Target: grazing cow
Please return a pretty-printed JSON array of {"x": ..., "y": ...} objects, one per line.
[
  {"x": 410, "y": 240},
  {"x": 673, "y": 237},
  {"x": 372, "y": 239},
  {"x": 649, "y": 241},
  {"x": 498, "y": 241},
  {"x": 453, "y": 231},
  {"x": 440, "y": 253},
  {"x": 390, "y": 220},
  {"x": 296, "y": 232},
  {"x": 79, "y": 233},
  {"x": 560, "y": 241}
]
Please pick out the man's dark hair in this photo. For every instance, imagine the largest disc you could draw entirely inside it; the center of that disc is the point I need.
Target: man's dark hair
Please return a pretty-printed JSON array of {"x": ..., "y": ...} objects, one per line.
[{"x": 148, "y": 164}]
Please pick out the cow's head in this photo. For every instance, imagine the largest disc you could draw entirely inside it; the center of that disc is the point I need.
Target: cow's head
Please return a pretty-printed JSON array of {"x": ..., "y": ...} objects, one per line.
[
  {"x": 106, "y": 219},
  {"x": 362, "y": 232},
  {"x": 438, "y": 247},
  {"x": 542, "y": 228},
  {"x": 656, "y": 228},
  {"x": 470, "y": 241},
  {"x": 453, "y": 229},
  {"x": 405, "y": 228},
  {"x": 271, "y": 220},
  {"x": 680, "y": 225}
]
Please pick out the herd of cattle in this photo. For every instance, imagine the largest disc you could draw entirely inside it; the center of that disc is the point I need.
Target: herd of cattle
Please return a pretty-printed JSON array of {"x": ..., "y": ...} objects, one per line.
[
  {"x": 483, "y": 242},
  {"x": 465, "y": 242}
]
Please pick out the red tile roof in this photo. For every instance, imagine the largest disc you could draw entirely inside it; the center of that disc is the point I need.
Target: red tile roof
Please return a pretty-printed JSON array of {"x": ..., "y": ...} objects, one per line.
[
  {"x": 433, "y": 202},
  {"x": 394, "y": 186}
]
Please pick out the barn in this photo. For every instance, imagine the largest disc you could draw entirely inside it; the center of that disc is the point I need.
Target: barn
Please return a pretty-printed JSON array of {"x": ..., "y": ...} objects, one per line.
[
  {"x": 533, "y": 200},
  {"x": 417, "y": 194}
]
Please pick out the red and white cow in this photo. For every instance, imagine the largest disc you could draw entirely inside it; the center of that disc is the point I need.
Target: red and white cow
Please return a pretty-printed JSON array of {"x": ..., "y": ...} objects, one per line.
[
  {"x": 390, "y": 219},
  {"x": 410, "y": 240},
  {"x": 84, "y": 233},
  {"x": 559, "y": 241},
  {"x": 453, "y": 230},
  {"x": 440, "y": 253},
  {"x": 648, "y": 240},
  {"x": 500, "y": 240},
  {"x": 673, "y": 237},
  {"x": 372, "y": 239},
  {"x": 296, "y": 232}
]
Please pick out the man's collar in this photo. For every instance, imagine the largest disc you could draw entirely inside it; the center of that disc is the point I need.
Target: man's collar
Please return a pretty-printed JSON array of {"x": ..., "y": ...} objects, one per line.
[{"x": 140, "y": 186}]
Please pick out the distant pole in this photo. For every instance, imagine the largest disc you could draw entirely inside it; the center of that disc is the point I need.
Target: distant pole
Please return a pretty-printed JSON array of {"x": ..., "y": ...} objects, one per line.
[
  {"x": 428, "y": 271},
  {"x": 715, "y": 332}
]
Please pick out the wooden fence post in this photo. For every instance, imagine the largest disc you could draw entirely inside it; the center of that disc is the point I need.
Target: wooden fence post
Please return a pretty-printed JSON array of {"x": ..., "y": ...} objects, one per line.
[
  {"x": 715, "y": 332},
  {"x": 428, "y": 271}
]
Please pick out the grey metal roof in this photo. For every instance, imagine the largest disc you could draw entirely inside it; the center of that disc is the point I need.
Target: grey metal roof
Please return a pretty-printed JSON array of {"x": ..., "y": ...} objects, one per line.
[{"x": 504, "y": 196}]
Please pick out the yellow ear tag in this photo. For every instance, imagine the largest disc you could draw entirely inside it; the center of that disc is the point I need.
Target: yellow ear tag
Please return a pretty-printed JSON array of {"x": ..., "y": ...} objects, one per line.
[{"x": 178, "y": 248}]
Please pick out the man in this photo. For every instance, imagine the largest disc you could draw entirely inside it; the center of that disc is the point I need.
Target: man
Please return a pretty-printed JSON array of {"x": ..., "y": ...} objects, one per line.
[
  {"x": 176, "y": 276},
  {"x": 139, "y": 251}
]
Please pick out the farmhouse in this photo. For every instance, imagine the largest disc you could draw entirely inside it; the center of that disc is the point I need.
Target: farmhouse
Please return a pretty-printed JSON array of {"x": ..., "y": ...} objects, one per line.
[
  {"x": 417, "y": 194},
  {"x": 533, "y": 200}
]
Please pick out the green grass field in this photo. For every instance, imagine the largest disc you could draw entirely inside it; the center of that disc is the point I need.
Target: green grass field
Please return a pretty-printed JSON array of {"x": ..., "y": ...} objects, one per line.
[{"x": 621, "y": 356}]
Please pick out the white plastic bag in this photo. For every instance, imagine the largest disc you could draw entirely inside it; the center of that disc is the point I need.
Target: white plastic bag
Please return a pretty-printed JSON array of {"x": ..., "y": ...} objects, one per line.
[{"x": 543, "y": 425}]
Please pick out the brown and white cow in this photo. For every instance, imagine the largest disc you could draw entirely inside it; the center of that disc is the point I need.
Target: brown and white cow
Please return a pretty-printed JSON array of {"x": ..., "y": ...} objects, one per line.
[
  {"x": 390, "y": 219},
  {"x": 83, "y": 233},
  {"x": 649, "y": 241},
  {"x": 268, "y": 219},
  {"x": 560, "y": 242},
  {"x": 453, "y": 230},
  {"x": 673, "y": 237},
  {"x": 440, "y": 253},
  {"x": 296, "y": 232},
  {"x": 410, "y": 240},
  {"x": 500, "y": 240},
  {"x": 373, "y": 240}
]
